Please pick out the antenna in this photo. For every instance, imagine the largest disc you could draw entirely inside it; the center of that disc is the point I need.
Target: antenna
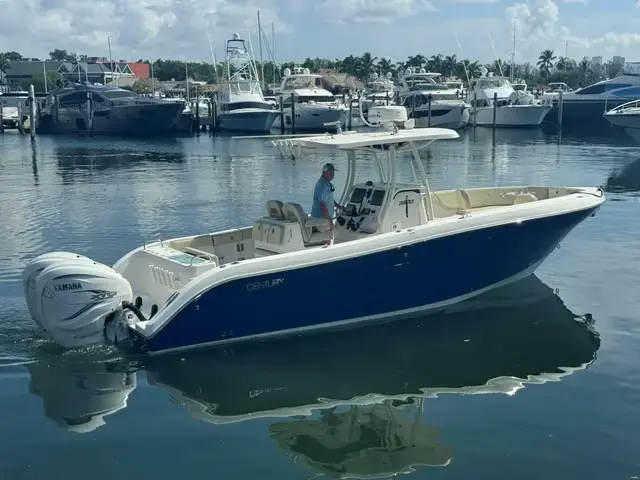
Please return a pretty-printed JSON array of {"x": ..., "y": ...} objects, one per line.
[
  {"x": 464, "y": 64},
  {"x": 496, "y": 55},
  {"x": 213, "y": 57},
  {"x": 513, "y": 53},
  {"x": 262, "y": 80}
]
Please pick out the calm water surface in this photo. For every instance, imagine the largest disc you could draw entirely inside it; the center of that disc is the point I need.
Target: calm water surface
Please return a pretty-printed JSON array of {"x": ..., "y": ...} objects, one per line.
[{"x": 537, "y": 380}]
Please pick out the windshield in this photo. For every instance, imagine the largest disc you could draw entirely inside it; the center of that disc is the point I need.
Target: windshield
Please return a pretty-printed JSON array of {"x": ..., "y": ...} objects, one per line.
[
  {"x": 302, "y": 82},
  {"x": 118, "y": 93},
  {"x": 492, "y": 82}
]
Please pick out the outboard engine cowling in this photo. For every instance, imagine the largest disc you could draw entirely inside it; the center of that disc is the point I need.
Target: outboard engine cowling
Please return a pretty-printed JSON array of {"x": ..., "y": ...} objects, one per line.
[
  {"x": 33, "y": 269},
  {"x": 73, "y": 298}
]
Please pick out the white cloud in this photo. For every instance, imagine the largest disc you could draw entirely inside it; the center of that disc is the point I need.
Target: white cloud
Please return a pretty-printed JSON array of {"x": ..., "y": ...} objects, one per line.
[
  {"x": 377, "y": 11},
  {"x": 538, "y": 27},
  {"x": 137, "y": 28}
]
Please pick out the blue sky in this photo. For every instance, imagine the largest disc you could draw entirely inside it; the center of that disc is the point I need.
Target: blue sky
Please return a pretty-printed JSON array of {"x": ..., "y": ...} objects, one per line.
[{"x": 325, "y": 28}]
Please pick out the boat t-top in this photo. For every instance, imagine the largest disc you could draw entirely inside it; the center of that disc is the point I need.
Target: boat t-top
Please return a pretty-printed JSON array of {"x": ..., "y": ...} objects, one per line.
[{"x": 397, "y": 249}]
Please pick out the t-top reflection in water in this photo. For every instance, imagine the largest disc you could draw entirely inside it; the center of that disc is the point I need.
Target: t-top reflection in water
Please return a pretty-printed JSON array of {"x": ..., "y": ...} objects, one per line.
[
  {"x": 341, "y": 391},
  {"x": 365, "y": 441}
]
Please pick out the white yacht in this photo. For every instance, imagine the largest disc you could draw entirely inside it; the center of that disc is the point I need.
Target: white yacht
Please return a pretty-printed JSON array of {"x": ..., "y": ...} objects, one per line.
[
  {"x": 378, "y": 91},
  {"x": 242, "y": 105},
  {"x": 314, "y": 106},
  {"x": 514, "y": 108},
  {"x": 553, "y": 90},
  {"x": 9, "y": 105},
  {"x": 626, "y": 116},
  {"x": 446, "y": 109}
]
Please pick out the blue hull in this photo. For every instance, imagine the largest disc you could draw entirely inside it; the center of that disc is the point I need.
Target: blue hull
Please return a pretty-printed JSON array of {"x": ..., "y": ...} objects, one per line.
[
  {"x": 398, "y": 280},
  {"x": 583, "y": 113}
]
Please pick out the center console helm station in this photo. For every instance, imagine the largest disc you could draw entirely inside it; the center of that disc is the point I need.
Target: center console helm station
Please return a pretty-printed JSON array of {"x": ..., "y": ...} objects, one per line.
[
  {"x": 384, "y": 206},
  {"x": 380, "y": 206}
]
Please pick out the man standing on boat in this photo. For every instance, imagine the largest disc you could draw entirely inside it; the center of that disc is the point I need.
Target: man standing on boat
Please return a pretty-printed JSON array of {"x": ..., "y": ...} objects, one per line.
[{"x": 323, "y": 203}]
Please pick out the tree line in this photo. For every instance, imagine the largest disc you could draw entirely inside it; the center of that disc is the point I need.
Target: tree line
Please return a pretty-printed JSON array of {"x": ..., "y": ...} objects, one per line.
[{"x": 548, "y": 68}]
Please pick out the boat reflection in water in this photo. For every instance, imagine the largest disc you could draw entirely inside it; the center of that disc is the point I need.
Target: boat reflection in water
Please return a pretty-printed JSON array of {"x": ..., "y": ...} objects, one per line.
[
  {"x": 77, "y": 396},
  {"x": 350, "y": 402}
]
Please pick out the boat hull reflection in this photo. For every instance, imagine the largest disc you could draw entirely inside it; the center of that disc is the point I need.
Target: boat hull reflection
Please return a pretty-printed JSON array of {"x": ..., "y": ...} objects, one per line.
[{"x": 522, "y": 333}]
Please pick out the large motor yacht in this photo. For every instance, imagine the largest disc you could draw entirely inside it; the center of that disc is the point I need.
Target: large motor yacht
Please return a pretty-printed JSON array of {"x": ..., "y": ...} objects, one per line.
[
  {"x": 107, "y": 110},
  {"x": 514, "y": 108},
  {"x": 431, "y": 103},
  {"x": 314, "y": 106},
  {"x": 586, "y": 106}
]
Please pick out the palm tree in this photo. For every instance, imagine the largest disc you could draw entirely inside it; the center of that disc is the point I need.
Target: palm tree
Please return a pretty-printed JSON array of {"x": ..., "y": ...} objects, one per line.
[
  {"x": 545, "y": 62},
  {"x": 436, "y": 63},
  {"x": 449, "y": 65},
  {"x": 561, "y": 64},
  {"x": 584, "y": 71},
  {"x": 4, "y": 62},
  {"x": 367, "y": 63},
  {"x": 384, "y": 65}
]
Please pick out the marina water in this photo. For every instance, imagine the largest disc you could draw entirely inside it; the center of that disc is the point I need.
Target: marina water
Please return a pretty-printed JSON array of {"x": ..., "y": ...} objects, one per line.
[{"x": 537, "y": 380}]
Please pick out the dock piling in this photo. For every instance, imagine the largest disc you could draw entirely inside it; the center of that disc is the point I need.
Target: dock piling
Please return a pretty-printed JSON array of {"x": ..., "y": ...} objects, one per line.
[
  {"x": 495, "y": 113},
  {"x": 20, "y": 121},
  {"x": 560, "y": 102},
  {"x": 32, "y": 112},
  {"x": 293, "y": 114},
  {"x": 90, "y": 113},
  {"x": 475, "y": 109},
  {"x": 281, "y": 115},
  {"x": 350, "y": 112}
]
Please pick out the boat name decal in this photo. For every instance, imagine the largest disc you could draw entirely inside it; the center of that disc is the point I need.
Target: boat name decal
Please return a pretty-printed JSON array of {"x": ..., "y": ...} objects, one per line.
[
  {"x": 275, "y": 282},
  {"x": 63, "y": 287},
  {"x": 405, "y": 202}
]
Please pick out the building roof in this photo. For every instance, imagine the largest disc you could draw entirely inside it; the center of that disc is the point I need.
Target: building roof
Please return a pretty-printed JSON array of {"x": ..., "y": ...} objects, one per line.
[
  {"x": 29, "y": 68},
  {"x": 140, "y": 70}
]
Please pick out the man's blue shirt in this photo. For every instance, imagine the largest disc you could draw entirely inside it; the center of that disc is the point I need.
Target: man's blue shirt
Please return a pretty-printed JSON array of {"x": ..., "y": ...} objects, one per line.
[{"x": 322, "y": 193}]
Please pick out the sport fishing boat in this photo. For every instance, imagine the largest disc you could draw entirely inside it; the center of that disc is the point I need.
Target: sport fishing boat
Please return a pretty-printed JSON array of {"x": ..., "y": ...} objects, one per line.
[
  {"x": 242, "y": 105},
  {"x": 397, "y": 249}
]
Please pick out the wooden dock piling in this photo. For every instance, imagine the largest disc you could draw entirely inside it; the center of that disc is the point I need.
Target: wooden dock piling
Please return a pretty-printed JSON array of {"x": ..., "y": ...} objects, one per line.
[
  {"x": 495, "y": 113},
  {"x": 293, "y": 114},
  {"x": 560, "y": 102},
  {"x": 281, "y": 115},
  {"x": 32, "y": 112}
]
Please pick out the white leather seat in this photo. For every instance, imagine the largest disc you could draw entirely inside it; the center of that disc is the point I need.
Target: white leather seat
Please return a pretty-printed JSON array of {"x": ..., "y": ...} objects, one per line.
[
  {"x": 275, "y": 210},
  {"x": 524, "y": 198},
  {"x": 314, "y": 230},
  {"x": 464, "y": 202}
]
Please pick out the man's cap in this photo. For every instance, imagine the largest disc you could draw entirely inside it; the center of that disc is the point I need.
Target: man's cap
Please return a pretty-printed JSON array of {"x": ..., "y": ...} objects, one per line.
[{"x": 328, "y": 167}]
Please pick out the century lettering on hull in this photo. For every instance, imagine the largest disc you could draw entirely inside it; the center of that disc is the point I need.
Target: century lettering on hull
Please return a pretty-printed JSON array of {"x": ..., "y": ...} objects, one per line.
[
  {"x": 63, "y": 287},
  {"x": 275, "y": 282}
]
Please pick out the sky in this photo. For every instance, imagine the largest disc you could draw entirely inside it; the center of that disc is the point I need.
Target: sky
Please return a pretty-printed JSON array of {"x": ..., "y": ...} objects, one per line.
[{"x": 179, "y": 29}]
